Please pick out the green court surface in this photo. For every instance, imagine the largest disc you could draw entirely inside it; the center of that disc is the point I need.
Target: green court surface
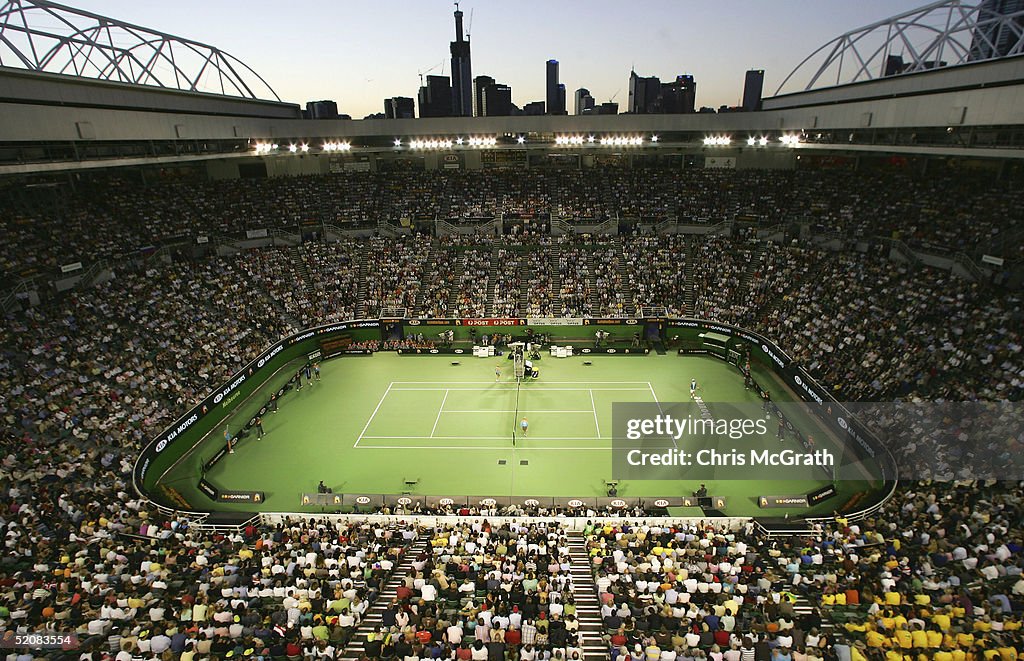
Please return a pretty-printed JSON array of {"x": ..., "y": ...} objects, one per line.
[{"x": 373, "y": 423}]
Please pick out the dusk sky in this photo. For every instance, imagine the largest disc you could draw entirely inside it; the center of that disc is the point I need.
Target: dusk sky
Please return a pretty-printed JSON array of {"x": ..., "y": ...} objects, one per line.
[{"x": 360, "y": 53}]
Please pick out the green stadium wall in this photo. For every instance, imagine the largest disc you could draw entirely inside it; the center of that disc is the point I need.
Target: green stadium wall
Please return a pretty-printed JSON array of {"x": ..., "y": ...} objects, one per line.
[{"x": 179, "y": 439}]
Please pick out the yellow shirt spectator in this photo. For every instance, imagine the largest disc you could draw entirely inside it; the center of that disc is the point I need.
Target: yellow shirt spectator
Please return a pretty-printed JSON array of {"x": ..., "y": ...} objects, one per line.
[{"x": 874, "y": 639}]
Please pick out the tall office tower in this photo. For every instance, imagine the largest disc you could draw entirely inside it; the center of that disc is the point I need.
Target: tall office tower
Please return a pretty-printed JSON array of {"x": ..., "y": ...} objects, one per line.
[
  {"x": 436, "y": 97},
  {"x": 584, "y": 102},
  {"x": 643, "y": 93},
  {"x": 399, "y": 107},
  {"x": 497, "y": 100},
  {"x": 679, "y": 96},
  {"x": 321, "y": 110},
  {"x": 753, "y": 85},
  {"x": 555, "y": 102},
  {"x": 462, "y": 72},
  {"x": 1000, "y": 28},
  {"x": 479, "y": 83}
]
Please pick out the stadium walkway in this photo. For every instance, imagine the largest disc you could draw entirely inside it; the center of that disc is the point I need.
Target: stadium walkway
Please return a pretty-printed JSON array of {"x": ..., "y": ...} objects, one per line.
[
  {"x": 588, "y": 605},
  {"x": 356, "y": 646}
]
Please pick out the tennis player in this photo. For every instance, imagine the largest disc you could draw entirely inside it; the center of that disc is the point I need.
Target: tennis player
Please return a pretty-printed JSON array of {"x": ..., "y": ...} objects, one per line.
[
  {"x": 693, "y": 387},
  {"x": 525, "y": 426},
  {"x": 497, "y": 373}
]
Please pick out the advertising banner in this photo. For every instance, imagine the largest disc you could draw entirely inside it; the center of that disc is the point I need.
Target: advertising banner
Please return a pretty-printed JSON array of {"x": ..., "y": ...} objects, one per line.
[
  {"x": 241, "y": 496},
  {"x": 493, "y": 322},
  {"x": 208, "y": 489},
  {"x": 434, "y": 322},
  {"x": 554, "y": 321},
  {"x": 821, "y": 495},
  {"x": 771, "y": 502},
  {"x": 613, "y": 351}
]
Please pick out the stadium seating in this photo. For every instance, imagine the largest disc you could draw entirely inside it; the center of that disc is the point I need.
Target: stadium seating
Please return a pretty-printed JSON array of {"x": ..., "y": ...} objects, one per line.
[{"x": 89, "y": 375}]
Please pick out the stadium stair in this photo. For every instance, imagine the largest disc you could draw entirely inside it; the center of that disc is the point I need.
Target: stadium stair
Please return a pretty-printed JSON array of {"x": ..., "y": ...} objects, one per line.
[
  {"x": 303, "y": 270},
  {"x": 363, "y": 281},
  {"x": 628, "y": 292},
  {"x": 593, "y": 298},
  {"x": 755, "y": 263},
  {"x": 374, "y": 616},
  {"x": 492, "y": 280},
  {"x": 691, "y": 294},
  {"x": 588, "y": 604},
  {"x": 802, "y": 608},
  {"x": 555, "y": 269},
  {"x": 435, "y": 257},
  {"x": 525, "y": 291}
]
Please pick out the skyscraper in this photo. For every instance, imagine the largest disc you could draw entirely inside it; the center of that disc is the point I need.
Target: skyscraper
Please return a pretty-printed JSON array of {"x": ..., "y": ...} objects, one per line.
[
  {"x": 584, "y": 102},
  {"x": 435, "y": 97},
  {"x": 643, "y": 93},
  {"x": 321, "y": 110},
  {"x": 999, "y": 31},
  {"x": 479, "y": 83},
  {"x": 497, "y": 100},
  {"x": 679, "y": 96},
  {"x": 753, "y": 84},
  {"x": 462, "y": 73},
  {"x": 555, "y": 101},
  {"x": 399, "y": 107}
]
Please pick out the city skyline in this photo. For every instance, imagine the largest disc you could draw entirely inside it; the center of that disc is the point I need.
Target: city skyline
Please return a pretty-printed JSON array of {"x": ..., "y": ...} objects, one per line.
[{"x": 360, "y": 55}]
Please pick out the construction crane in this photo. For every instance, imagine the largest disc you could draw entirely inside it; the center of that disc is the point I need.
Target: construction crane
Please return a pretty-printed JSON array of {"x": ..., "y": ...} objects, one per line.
[{"x": 423, "y": 73}]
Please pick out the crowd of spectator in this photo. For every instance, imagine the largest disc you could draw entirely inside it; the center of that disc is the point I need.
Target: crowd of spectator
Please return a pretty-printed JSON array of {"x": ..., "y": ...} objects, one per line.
[
  {"x": 393, "y": 274},
  {"x": 333, "y": 287},
  {"x": 508, "y": 284},
  {"x": 657, "y": 270},
  {"x": 108, "y": 216},
  {"x": 927, "y": 577},
  {"x": 472, "y": 275},
  {"x": 88, "y": 376}
]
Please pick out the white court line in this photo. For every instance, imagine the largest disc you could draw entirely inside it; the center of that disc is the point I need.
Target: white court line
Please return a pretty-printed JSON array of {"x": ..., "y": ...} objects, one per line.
[
  {"x": 439, "y": 412},
  {"x": 655, "y": 397},
  {"x": 475, "y": 447},
  {"x": 367, "y": 425},
  {"x": 509, "y": 389},
  {"x": 477, "y": 438},
  {"x": 600, "y": 383},
  {"x": 520, "y": 410},
  {"x": 660, "y": 410},
  {"x": 594, "y": 407}
]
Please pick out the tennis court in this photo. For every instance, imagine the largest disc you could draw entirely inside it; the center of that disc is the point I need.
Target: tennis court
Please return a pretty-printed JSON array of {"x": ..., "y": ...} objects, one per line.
[
  {"x": 482, "y": 415},
  {"x": 381, "y": 423}
]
